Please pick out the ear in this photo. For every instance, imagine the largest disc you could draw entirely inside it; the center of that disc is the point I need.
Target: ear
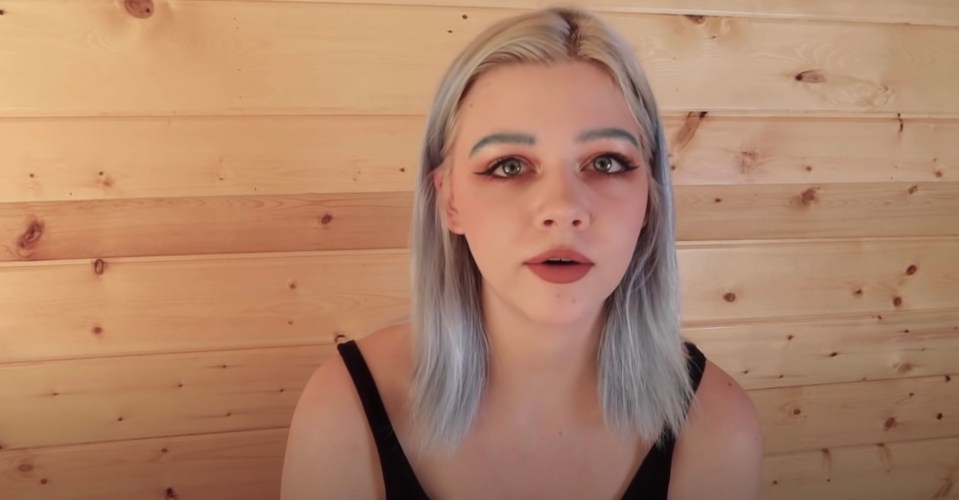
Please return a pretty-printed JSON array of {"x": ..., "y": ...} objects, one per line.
[{"x": 446, "y": 202}]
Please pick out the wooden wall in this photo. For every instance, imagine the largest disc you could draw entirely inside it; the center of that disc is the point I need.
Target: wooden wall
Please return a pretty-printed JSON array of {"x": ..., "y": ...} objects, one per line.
[{"x": 197, "y": 197}]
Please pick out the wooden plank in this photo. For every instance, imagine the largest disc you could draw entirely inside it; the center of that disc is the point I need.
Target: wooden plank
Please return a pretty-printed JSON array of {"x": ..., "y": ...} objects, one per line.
[
  {"x": 205, "y": 225},
  {"x": 755, "y": 280},
  {"x": 62, "y": 159},
  {"x": 853, "y": 348},
  {"x": 907, "y": 470},
  {"x": 131, "y": 397},
  {"x": 237, "y": 466},
  {"x": 247, "y": 465},
  {"x": 145, "y": 305},
  {"x": 819, "y": 416},
  {"x": 930, "y": 12},
  {"x": 280, "y": 223},
  {"x": 136, "y": 306},
  {"x": 203, "y": 58}
]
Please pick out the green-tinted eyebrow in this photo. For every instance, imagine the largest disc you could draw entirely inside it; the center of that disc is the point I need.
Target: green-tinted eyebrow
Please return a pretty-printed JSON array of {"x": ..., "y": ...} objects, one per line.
[
  {"x": 504, "y": 137},
  {"x": 601, "y": 133},
  {"x": 526, "y": 139}
]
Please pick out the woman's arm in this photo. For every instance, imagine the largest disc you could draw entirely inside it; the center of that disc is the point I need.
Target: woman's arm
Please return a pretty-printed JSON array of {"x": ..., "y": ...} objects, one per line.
[
  {"x": 329, "y": 451},
  {"x": 722, "y": 452}
]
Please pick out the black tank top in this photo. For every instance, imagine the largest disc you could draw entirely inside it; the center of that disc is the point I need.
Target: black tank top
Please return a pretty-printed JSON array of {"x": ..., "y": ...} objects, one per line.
[{"x": 651, "y": 481}]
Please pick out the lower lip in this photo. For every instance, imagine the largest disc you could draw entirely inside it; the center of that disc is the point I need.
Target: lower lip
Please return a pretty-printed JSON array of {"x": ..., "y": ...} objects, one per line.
[{"x": 561, "y": 273}]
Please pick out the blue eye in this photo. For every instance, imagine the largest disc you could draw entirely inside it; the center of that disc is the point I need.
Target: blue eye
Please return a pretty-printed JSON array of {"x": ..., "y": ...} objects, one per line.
[{"x": 605, "y": 164}]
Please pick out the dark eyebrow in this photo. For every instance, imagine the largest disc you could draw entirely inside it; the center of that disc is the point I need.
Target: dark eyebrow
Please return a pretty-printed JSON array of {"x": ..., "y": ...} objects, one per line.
[
  {"x": 515, "y": 138},
  {"x": 608, "y": 132}
]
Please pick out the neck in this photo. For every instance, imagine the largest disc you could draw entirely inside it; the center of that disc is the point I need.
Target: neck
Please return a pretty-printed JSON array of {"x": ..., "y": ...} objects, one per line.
[{"x": 541, "y": 368}]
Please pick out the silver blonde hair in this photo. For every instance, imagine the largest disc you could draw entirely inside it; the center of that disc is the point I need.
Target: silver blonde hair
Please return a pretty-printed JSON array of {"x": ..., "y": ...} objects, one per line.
[{"x": 643, "y": 382}]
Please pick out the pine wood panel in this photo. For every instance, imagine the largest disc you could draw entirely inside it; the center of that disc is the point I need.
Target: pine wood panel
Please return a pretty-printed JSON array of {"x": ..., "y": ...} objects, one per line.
[
  {"x": 775, "y": 353},
  {"x": 68, "y": 159},
  {"x": 65, "y": 309},
  {"x": 248, "y": 464},
  {"x": 280, "y": 223},
  {"x": 131, "y": 397},
  {"x": 819, "y": 416},
  {"x": 908, "y": 470},
  {"x": 229, "y": 466},
  {"x": 230, "y": 58},
  {"x": 121, "y": 398},
  {"x": 932, "y": 12}
]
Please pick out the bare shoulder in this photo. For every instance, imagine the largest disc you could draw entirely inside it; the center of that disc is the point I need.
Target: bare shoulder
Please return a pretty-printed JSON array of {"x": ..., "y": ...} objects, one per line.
[
  {"x": 329, "y": 450},
  {"x": 720, "y": 451}
]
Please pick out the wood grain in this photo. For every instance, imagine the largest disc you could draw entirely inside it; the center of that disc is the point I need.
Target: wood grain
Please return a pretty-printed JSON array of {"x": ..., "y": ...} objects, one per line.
[
  {"x": 214, "y": 302},
  {"x": 247, "y": 465},
  {"x": 112, "y": 158},
  {"x": 133, "y": 397},
  {"x": 65, "y": 309},
  {"x": 907, "y": 470},
  {"x": 242, "y": 465},
  {"x": 822, "y": 350},
  {"x": 304, "y": 222},
  {"x": 931, "y": 12},
  {"x": 255, "y": 58}
]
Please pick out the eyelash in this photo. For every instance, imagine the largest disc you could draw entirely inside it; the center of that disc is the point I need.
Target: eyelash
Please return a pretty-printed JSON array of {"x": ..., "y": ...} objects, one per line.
[{"x": 627, "y": 165}]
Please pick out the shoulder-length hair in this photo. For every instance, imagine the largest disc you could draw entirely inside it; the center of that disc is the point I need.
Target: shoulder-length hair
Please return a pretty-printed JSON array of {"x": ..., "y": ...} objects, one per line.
[{"x": 641, "y": 363}]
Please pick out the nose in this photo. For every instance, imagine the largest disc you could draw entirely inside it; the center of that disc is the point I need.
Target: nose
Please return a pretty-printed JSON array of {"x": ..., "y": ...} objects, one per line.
[{"x": 560, "y": 202}]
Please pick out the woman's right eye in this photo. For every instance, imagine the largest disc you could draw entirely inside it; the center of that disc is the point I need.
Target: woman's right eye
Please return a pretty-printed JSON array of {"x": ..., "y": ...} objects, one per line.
[{"x": 510, "y": 166}]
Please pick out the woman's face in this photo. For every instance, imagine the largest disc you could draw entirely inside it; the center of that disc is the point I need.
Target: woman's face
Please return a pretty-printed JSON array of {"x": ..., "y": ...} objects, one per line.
[{"x": 560, "y": 148}]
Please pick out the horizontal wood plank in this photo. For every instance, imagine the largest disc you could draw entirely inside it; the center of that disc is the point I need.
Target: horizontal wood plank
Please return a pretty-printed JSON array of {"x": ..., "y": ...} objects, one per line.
[
  {"x": 907, "y": 470},
  {"x": 248, "y": 464},
  {"x": 212, "y": 58},
  {"x": 282, "y": 223},
  {"x": 931, "y": 12},
  {"x": 120, "y": 398},
  {"x": 66, "y": 159},
  {"x": 236, "y": 466},
  {"x": 144, "y": 305},
  {"x": 771, "y": 353},
  {"x": 819, "y": 416},
  {"x": 117, "y": 398}
]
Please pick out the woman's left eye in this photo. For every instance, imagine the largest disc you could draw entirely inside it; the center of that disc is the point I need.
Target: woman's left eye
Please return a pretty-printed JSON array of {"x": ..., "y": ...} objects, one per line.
[{"x": 607, "y": 164}]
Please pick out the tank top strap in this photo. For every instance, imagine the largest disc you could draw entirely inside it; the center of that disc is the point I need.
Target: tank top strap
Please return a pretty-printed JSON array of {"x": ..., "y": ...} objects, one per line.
[{"x": 399, "y": 480}]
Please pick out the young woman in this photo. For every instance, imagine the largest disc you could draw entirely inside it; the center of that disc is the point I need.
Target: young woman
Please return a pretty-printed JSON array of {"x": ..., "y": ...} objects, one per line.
[{"x": 543, "y": 358}]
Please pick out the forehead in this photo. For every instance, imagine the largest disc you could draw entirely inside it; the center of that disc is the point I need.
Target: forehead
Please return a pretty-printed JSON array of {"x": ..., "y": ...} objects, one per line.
[{"x": 561, "y": 98}]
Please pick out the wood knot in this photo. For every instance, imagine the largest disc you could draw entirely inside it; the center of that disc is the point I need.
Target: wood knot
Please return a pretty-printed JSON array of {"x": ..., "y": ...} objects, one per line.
[
  {"x": 696, "y": 19},
  {"x": 326, "y": 219},
  {"x": 911, "y": 270},
  {"x": 688, "y": 130},
  {"x": 858, "y": 292},
  {"x": 97, "y": 330},
  {"x": 98, "y": 266},
  {"x": 797, "y": 411},
  {"x": 897, "y": 301},
  {"x": 810, "y": 76},
  {"x": 25, "y": 468},
  {"x": 938, "y": 416},
  {"x": 170, "y": 494},
  {"x": 31, "y": 237},
  {"x": 904, "y": 368},
  {"x": 889, "y": 423},
  {"x": 808, "y": 196},
  {"x": 729, "y": 297},
  {"x": 139, "y": 8},
  {"x": 912, "y": 189}
]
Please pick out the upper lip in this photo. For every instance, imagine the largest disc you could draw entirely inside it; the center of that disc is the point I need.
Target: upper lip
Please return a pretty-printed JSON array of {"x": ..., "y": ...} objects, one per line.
[{"x": 560, "y": 253}]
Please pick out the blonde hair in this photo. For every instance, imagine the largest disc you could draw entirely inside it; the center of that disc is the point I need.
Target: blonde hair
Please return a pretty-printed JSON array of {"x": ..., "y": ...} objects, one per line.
[{"x": 643, "y": 382}]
